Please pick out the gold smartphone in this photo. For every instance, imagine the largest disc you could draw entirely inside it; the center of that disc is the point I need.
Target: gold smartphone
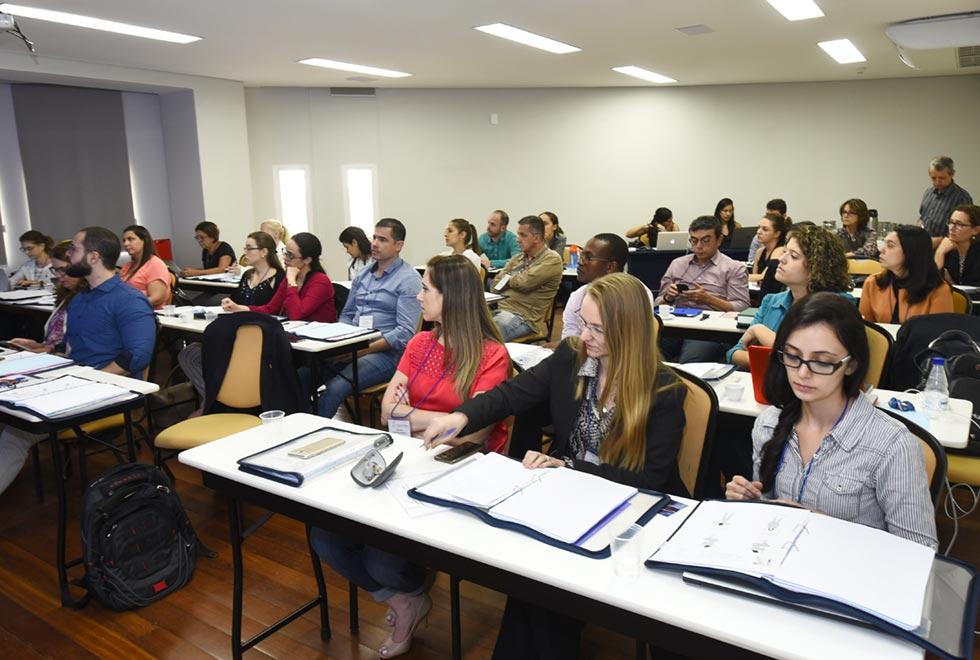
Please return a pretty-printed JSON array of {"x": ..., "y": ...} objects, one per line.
[{"x": 316, "y": 448}]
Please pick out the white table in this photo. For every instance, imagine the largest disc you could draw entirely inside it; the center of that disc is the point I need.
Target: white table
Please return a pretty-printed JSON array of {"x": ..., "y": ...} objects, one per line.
[
  {"x": 718, "y": 327},
  {"x": 32, "y": 423},
  {"x": 657, "y": 606},
  {"x": 226, "y": 283},
  {"x": 952, "y": 429}
]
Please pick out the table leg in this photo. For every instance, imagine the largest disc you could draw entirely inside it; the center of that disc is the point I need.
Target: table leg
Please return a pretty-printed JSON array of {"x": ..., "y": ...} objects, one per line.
[
  {"x": 130, "y": 440},
  {"x": 59, "y": 480},
  {"x": 315, "y": 381},
  {"x": 357, "y": 386},
  {"x": 321, "y": 586},
  {"x": 454, "y": 615},
  {"x": 236, "y": 552}
]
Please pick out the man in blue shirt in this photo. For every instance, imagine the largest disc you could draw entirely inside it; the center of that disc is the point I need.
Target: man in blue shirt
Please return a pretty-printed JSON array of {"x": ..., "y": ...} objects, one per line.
[
  {"x": 499, "y": 244},
  {"x": 383, "y": 297},
  {"x": 110, "y": 327}
]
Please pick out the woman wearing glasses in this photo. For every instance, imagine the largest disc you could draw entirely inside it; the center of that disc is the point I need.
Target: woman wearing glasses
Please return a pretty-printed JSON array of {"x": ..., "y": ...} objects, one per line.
[
  {"x": 216, "y": 255},
  {"x": 458, "y": 360},
  {"x": 617, "y": 412},
  {"x": 37, "y": 269},
  {"x": 858, "y": 238},
  {"x": 67, "y": 287},
  {"x": 145, "y": 272},
  {"x": 306, "y": 294},
  {"x": 823, "y": 444},
  {"x": 910, "y": 285},
  {"x": 958, "y": 255},
  {"x": 257, "y": 287}
]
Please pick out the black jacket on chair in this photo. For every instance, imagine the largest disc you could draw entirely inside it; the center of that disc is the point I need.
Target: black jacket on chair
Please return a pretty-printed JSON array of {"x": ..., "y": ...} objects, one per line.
[{"x": 278, "y": 383}]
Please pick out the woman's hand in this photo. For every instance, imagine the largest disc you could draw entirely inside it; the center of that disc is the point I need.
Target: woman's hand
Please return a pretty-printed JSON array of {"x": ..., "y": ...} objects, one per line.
[
  {"x": 292, "y": 272},
  {"x": 740, "y": 488},
  {"x": 229, "y": 305},
  {"x": 758, "y": 334},
  {"x": 190, "y": 272},
  {"x": 234, "y": 269},
  {"x": 30, "y": 345},
  {"x": 26, "y": 283},
  {"x": 535, "y": 459},
  {"x": 443, "y": 429},
  {"x": 945, "y": 246}
]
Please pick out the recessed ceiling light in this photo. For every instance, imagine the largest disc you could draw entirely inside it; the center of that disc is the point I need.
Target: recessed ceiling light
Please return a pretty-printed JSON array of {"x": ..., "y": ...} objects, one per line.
[
  {"x": 356, "y": 68},
  {"x": 96, "y": 23},
  {"x": 527, "y": 38},
  {"x": 797, "y": 10},
  {"x": 843, "y": 51},
  {"x": 643, "y": 74}
]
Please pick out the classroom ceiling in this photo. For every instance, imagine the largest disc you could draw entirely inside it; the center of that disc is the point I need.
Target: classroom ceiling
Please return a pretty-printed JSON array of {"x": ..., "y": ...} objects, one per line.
[{"x": 260, "y": 43}]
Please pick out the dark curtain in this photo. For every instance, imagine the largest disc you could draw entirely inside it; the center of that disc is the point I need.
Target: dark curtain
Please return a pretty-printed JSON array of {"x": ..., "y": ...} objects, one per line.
[{"x": 76, "y": 166}]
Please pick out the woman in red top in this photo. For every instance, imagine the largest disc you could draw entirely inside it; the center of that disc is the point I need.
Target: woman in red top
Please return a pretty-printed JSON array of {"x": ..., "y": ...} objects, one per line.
[
  {"x": 307, "y": 293},
  {"x": 462, "y": 357}
]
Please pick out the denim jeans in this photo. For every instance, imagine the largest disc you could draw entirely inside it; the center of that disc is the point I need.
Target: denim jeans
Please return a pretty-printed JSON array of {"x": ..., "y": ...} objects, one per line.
[
  {"x": 511, "y": 325},
  {"x": 372, "y": 369},
  {"x": 379, "y": 573}
]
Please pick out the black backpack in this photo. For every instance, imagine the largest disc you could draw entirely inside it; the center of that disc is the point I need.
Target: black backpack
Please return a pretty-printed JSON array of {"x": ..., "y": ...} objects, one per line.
[
  {"x": 960, "y": 350},
  {"x": 911, "y": 352},
  {"x": 137, "y": 543}
]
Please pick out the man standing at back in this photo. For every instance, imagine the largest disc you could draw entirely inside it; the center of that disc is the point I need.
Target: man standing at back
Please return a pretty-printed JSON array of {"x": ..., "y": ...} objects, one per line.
[
  {"x": 498, "y": 245},
  {"x": 529, "y": 280},
  {"x": 110, "y": 327},
  {"x": 706, "y": 280},
  {"x": 382, "y": 297},
  {"x": 939, "y": 200}
]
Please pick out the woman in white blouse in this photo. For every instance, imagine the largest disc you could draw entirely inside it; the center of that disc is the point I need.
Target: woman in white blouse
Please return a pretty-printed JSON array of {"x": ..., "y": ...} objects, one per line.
[
  {"x": 461, "y": 238},
  {"x": 37, "y": 268}
]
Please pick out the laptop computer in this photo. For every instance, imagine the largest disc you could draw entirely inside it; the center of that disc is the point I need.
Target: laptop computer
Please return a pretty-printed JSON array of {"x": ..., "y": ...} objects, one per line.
[
  {"x": 672, "y": 240},
  {"x": 742, "y": 237}
]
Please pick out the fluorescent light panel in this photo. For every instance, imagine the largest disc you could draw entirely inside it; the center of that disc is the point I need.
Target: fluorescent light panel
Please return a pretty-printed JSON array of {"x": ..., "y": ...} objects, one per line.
[
  {"x": 643, "y": 74},
  {"x": 797, "y": 10},
  {"x": 843, "y": 51},
  {"x": 356, "y": 68},
  {"x": 78, "y": 20},
  {"x": 505, "y": 31}
]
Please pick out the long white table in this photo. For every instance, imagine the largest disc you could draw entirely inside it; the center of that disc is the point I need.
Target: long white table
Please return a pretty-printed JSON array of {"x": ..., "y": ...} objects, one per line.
[
  {"x": 719, "y": 327},
  {"x": 657, "y": 606},
  {"x": 26, "y": 421}
]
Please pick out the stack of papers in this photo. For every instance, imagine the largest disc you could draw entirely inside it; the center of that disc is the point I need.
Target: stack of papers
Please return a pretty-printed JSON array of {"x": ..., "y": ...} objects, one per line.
[
  {"x": 330, "y": 331},
  {"x": 23, "y": 294},
  {"x": 527, "y": 355},
  {"x": 61, "y": 396},
  {"x": 26, "y": 362},
  {"x": 707, "y": 370}
]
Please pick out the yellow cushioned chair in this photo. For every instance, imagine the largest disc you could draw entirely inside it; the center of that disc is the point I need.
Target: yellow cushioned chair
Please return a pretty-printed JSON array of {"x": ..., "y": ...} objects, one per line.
[
  {"x": 961, "y": 302},
  {"x": 700, "y": 412},
  {"x": 880, "y": 343},
  {"x": 239, "y": 389},
  {"x": 863, "y": 267}
]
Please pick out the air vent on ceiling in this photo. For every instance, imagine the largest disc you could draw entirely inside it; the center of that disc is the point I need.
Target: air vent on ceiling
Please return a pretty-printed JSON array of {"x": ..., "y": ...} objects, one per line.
[
  {"x": 352, "y": 91},
  {"x": 968, "y": 56},
  {"x": 362, "y": 79},
  {"x": 694, "y": 30}
]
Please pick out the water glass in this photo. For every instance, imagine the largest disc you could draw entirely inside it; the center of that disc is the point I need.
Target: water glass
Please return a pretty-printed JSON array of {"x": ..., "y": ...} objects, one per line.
[
  {"x": 626, "y": 546},
  {"x": 170, "y": 310},
  {"x": 272, "y": 416}
]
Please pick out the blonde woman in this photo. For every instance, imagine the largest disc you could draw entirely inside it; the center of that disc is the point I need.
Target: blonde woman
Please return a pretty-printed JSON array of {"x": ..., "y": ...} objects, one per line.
[{"x": 617, "y": 412}]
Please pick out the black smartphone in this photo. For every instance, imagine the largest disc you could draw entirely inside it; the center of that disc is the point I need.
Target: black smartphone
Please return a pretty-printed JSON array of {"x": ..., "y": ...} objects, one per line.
[
  {"x": 682, "y": 287},
  {"x": 459, "y": 452}
]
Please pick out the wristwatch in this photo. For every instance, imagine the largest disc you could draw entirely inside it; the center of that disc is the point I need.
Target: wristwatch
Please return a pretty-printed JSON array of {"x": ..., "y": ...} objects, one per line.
[{"x": 569, "y": 462}]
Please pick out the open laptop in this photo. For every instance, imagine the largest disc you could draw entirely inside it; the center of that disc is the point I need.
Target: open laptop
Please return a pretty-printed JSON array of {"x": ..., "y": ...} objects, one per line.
[
  {"x": 742, "y": 237},
  {"x": 672, "y": 240}
]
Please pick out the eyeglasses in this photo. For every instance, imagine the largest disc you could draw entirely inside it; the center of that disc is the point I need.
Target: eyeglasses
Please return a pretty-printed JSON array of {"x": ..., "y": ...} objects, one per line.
[
  {"x": 843, "y": 213},
  {"x": 815, "y": 366},
  {"x": 594, "y": 329},
  {"x": 588, "y": 257},
  {"x": 958, "y": 225},
  {"x": 59, "y": 271},
  {"x": 249, "y": 249},
  {"x": 704, "y": 240},
  {"x": 27, "y": 248},
  {"x": 288, "y": 255}
]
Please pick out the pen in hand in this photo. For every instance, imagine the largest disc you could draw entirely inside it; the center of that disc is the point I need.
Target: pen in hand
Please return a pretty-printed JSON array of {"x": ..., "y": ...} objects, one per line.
[{"x": 447, "y": 432}]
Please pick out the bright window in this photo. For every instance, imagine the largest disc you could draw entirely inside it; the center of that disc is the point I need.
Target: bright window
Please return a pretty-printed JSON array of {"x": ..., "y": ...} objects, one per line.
[
  {"x": 360, "y": 196},
  {"x": 293, "y": 197}
]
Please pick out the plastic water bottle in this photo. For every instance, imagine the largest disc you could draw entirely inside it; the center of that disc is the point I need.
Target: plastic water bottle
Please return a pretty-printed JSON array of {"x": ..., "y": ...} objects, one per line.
[
  {"x": 936, "y": 395},
  {"x": 573, "y": 256}
]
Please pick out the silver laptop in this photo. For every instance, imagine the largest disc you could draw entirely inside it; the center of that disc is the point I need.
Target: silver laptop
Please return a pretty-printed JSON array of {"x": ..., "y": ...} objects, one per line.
[{"x": 673, "y": 240}]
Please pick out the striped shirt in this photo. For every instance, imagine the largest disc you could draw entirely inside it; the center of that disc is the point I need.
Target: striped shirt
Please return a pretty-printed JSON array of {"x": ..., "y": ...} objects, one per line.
[
  {"x": 938, "y": 205},
  {"x": 869, "y": 469}
]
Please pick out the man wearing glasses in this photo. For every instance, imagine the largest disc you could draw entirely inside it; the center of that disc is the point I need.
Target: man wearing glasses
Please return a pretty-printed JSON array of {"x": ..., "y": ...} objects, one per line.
[
  {"x": 603, "y": 254},
  {"x": 705, "y": 279}
]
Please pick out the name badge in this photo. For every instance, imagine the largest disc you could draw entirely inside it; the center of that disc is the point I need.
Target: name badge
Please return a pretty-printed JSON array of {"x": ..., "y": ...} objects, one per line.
[
  {"x": 400, "y": 427},
  {"x": 502, "y": 283},
  {"x": 366, "y": 322},
  {"x": 592, "y": 457}
]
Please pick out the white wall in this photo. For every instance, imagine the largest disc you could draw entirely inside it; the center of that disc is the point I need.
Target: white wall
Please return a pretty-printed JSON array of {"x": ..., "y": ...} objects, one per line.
[
  {"x": 604, "y": 159},
  {"x": 212, "y": 110},
  {"x": 13, "y": 190}
]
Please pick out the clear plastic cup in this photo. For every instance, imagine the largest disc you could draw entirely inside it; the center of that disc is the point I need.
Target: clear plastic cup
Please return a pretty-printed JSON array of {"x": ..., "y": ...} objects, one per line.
[
  {"x": 272, "y": 416},
  {"x": 626, "y": 547},
  {"x": 170, "y": 310}
]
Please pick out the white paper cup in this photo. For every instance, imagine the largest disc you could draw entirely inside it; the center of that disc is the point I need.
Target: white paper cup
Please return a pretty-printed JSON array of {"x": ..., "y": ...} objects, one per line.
[
  {"x": 272, "y": 416},
  {"x": 734, "y": 391},
  {"x": 186, "y": 317},
  {"x": 664, "y": 311}
]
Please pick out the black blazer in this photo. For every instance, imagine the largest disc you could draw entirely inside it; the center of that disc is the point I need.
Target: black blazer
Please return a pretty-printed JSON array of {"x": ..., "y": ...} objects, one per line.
[
  {"x": 278, "y": 383},
  {"x": 552, "y": 382}
]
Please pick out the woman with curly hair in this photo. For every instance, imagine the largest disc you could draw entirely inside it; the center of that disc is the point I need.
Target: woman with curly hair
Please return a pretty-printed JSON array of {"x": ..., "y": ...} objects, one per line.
[
  {"x": 858, "y": 238},
  {"x": 814, "y": 260}
]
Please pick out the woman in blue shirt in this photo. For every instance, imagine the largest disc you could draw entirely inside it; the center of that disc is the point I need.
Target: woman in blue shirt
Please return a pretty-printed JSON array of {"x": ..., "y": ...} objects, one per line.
[{"x": 814, "y": 260}]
